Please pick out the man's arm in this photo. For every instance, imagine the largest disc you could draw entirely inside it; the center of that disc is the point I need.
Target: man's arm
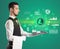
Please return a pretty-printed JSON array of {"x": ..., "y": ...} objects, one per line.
[
  {"x": 9, "y": 29},
  {"x": 24, "y": 33}
]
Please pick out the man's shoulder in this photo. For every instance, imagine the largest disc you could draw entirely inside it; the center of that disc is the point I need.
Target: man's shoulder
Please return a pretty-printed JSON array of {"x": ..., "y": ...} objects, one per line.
[{"x": 9, "y": 21}]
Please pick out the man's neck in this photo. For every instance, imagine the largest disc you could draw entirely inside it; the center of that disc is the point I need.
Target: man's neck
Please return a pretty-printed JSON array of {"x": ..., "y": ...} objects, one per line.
[{"x": 12, "y": 15}]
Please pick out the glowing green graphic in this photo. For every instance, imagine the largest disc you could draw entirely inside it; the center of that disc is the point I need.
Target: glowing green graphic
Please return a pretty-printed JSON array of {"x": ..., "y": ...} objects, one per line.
[{"x": 40, "y": 20}]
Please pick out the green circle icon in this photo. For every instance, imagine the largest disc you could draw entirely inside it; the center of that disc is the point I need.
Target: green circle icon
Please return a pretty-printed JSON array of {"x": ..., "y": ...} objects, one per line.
[{"x": 40, "y": 21}]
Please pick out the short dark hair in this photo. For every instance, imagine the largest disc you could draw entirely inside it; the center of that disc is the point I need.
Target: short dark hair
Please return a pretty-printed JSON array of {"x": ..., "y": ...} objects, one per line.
[{"x": 11, "y": 5}]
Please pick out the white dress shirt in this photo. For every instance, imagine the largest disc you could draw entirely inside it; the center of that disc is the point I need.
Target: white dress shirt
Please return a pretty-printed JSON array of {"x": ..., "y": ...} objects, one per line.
[{"x": 10, "y": 27}]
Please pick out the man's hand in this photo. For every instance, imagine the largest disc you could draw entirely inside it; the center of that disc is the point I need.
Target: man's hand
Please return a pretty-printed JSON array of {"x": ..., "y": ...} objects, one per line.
[
  {"x": 38, "y": 33},
  {"x": 42, "y": 32},
  {"x": 34, "y": 33}
]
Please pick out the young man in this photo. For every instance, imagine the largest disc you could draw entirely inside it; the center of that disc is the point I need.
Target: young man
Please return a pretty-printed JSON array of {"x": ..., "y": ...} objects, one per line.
[{"x": 12, "y": 25}]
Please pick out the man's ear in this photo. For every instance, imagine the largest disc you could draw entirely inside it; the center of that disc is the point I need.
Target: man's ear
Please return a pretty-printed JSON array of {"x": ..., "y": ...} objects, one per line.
[{"x": 11, "y": 9}]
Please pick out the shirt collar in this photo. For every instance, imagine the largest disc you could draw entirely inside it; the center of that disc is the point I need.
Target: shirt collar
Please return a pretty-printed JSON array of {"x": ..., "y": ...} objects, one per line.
[{"x": 12, "y": 17}]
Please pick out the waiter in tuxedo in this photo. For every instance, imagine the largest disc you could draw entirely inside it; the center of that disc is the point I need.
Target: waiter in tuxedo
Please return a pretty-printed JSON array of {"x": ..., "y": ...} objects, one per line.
[{"x": 12, "y": 25}]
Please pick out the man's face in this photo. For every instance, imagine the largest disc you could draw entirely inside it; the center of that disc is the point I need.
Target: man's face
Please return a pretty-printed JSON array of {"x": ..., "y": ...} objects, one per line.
[{"x": 16, "y": 10}]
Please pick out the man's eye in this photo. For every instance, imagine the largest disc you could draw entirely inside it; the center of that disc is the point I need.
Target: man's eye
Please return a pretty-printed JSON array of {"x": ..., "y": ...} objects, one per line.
[{"x": 16, "y": 8}]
